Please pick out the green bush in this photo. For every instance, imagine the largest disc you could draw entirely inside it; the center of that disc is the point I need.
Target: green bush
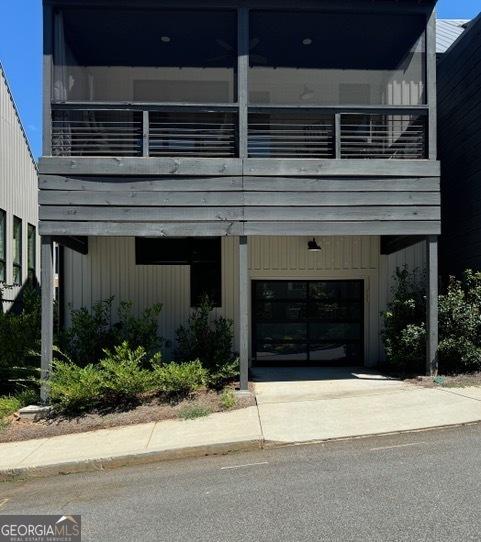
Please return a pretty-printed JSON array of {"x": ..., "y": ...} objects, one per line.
[
  {"x": 208, "y": 339},
  {"x": 74, "y": 389},
  {"x": 92, "y": 332},
  {"x": 20, "y": 332},
  {"x": 404, "y": 335},
  {"x": 460, "y": 324},
  {"x": 227, "y": 399},
  {"x": 191, "y": 412},
  {"x": 122, "y": 375},
  {"x": 178, "y": 379}
]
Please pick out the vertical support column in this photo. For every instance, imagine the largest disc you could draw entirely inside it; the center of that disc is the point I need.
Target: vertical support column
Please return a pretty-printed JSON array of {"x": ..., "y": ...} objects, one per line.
[
  {"x": 432, "y": 306},
  {"x": 242, "y": 73},
  {"x": 337, "y": 136},
  {"x": 145, "y": 133},
  {"x": 431, "y": 85},
  {"x": 244, "y": 312},
  {"x": 48, "y": 37},
  {"x": 47, "y": 309}
]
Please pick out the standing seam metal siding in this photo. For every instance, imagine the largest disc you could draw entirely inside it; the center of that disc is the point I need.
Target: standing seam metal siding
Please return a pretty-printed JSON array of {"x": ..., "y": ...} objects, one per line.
[
  {"x": 459, "y": 106},
  {"x": 18, "y": 181},
  {"x": 109, "y": 269}
]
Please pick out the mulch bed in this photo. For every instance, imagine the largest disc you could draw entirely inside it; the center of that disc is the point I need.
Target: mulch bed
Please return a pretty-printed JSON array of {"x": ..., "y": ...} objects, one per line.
[
  {"x": 152, "y": 410},
  {"x": 454, "y": 381}
]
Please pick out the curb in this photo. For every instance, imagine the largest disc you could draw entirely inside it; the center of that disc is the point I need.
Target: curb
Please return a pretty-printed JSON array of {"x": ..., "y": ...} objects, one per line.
[{"x": 143, "y": 458}]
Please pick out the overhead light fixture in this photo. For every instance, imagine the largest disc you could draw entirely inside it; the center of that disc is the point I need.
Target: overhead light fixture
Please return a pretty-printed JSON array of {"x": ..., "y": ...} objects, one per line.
[
  {"x": 165, "y": 39},
  {"x": 306, "y": 41},
  {"x": 312, "y": 246}
]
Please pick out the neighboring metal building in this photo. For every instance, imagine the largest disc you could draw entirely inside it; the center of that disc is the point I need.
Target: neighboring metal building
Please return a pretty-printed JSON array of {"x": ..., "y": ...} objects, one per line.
[
  {"x": 459, "y": 106},
  {"x": 447, "y": 32},
  {"x": 19, "y": 242},
  {"x": 192, "y": 150}
]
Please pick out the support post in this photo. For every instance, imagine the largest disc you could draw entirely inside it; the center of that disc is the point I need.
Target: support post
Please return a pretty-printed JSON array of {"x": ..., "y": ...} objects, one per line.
[
  {"x": 242, "y": 74},
  {"x": 337, "y": 136},
  {"x": 431, "y": 69},
  {"x": 47, "y": 310},
  {"x": 145, "y": 133},
  {"x": 432, "y": 306},
  {"x": 244, "y": 313}
]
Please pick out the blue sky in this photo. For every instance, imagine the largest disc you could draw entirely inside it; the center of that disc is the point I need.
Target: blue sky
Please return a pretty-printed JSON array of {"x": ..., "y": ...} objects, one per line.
[{"x": 21, "y": 54}]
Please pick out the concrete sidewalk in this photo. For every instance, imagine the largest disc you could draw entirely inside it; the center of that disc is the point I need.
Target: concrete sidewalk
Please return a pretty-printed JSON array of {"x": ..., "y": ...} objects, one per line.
[{"x": 289, "y": 411}]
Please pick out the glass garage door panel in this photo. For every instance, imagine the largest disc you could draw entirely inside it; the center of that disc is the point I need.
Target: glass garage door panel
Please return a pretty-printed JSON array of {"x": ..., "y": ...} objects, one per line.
[{"x": 308, "y": 321}]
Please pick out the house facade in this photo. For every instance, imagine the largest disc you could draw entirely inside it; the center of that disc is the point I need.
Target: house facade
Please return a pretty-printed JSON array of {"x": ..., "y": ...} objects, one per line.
[
  {"x": 280, "y": 160},
  {"x": 459, "y": 75},
  {"x": 19, "y": 240}
]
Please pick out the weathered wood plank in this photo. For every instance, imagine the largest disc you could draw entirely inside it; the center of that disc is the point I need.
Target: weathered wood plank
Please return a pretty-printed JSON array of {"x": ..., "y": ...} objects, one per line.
[
  {"x": 236, "y": 166},
  {"x": 206, "y": 199},
  {"x": 343, "y": 228},
  {"x": 145, "y": 229},
  {"x": 349, "y": 184},
  {"x": 141, "y": 214},
  {"x": 356, "y": 168},
  {"x": 244, "y": 296},
  {"x": 47, "y": 272},
  {"x": 341, "y": 214},
  {"x": 140, "y": 166},
  {"x": 249, "y": 183},
  {"x": 432, "y": 306},
  {"x": 151, "y": 184}
]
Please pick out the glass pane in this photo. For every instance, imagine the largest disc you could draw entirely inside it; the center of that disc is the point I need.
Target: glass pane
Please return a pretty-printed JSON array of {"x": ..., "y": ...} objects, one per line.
[
  {"x": 2, "y": 271},
  {"x": 336, "y": 58},
  {"x": 280, "y": 311},
  {"x": 335, "y": 311},
  {"x": 145, "y": 56},
  {"x": 335, "y": 290},
  {"x": 17, "y": 240},
  {"x": 336, "y": 352},
  {"x": 281, "y": 352},
  {"x": 3, "y": 234},
  {"x": 281, "y": 290},
  {"x": 281, "y": 332},
  {"x": 31, "y": 247},
  {"x": 326, "y": 332}
]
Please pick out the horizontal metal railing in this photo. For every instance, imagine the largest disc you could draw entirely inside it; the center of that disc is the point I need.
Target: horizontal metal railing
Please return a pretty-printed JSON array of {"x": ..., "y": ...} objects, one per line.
[{"x": 161, "y": 130}]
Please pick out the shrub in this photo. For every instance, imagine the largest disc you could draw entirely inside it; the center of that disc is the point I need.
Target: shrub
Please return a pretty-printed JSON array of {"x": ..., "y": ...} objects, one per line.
[
  {"x": 20, "y": 332},
  {"x": 459, "y": 324},
  {"x": 177, "y": 379},
  {"x": 227, "y": 399},
  {"x": 191, "y": 412},
  {"x": 92, "y": 332},
  {"x": 75, "y": 389},
  {"x": 404, "y": 322},
  {"x": 122, "y": 375},
  {"x": 89, "y": 334},
  {"x": 208, "y": 339}
]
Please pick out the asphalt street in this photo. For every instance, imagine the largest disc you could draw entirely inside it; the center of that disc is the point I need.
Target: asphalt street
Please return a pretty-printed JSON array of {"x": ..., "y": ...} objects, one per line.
[{"x": 417, "y": 486}]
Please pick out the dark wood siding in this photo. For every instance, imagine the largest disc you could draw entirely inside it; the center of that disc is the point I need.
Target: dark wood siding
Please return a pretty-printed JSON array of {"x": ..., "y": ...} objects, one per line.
[
  {"x": 285, "y": 199},
  {"x": 459, "y": 105}
]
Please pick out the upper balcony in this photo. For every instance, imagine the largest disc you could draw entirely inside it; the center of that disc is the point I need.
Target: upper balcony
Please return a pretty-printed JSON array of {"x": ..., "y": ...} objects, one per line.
[{"x": 239, "y": 83}]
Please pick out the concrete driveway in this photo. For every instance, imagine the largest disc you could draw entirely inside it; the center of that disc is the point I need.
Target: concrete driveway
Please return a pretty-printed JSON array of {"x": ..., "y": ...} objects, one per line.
[{"x": 299, "y": 405}]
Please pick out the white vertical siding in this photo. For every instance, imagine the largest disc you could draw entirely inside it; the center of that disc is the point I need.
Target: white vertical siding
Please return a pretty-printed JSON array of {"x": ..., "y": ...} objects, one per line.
[
  {"x": 109, "y": 270},
  {"x": 18, "y": 181}
]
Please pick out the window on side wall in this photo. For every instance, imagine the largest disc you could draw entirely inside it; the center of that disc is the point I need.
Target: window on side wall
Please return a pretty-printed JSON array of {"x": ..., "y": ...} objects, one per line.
[
  {"x": 32, "y": 251},
  {"x": 17, "y": 250},
  {"x": 3, "y": 246},
  {"x": 203, "y": 255}
]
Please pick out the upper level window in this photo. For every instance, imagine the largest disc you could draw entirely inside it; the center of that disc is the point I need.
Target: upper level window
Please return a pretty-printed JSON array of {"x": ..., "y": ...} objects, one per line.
[
  {"x": 337, "y": 58},
  {"x": 17, "y": 250},
  {"x": 3, "y": 246},
  {"x": 32, "y": 251},
  {"x": 145, "y": 56}
]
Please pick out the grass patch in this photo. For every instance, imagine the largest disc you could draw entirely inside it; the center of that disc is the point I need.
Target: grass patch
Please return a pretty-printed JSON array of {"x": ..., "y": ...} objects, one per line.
[
  {"x": 191, "y": 412},
  {"x": 227, "y": 399},
  {"x": 9, "y": 404}
]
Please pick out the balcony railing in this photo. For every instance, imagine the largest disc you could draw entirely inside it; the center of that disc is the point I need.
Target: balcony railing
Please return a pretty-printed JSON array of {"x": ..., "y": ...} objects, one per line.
[{"x": 213, "y": 132}]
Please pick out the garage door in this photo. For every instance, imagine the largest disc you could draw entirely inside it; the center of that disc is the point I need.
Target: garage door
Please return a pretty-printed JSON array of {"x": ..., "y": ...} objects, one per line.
[{"x": 308, "y": 322}]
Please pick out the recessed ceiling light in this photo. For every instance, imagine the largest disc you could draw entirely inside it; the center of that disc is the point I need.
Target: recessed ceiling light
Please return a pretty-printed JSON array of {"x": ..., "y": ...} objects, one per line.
[
  {"x": 165, "y": 39},
  {"x": 306, "y": 41}
]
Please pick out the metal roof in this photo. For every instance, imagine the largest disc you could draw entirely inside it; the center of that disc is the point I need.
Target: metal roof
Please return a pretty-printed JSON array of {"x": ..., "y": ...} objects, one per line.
[{"x": 448, "y": 31}]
